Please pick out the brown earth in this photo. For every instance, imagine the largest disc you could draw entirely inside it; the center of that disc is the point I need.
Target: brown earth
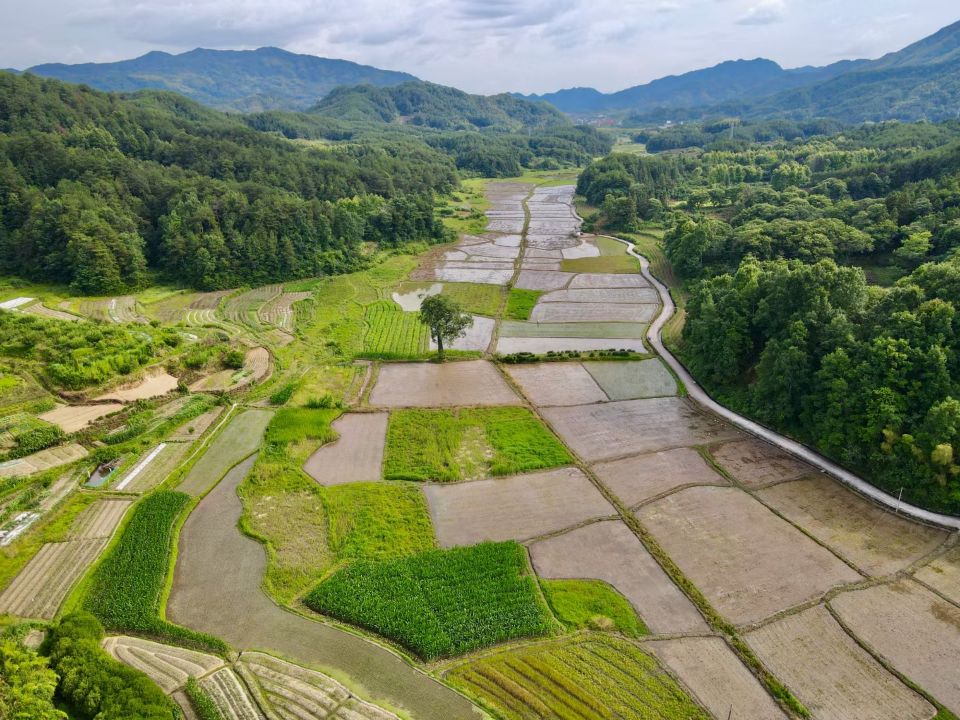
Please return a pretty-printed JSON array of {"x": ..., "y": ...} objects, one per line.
[
  {"x": 356, "y": 456},
  {"x": 756, "y": 463},
  {"x": 943, "y": 574},
  {"x": 642, "y": 477},
  {"x": 556, "y": 384},
  {"x": 476, "y": 382},
  {"x": 71, "y": 418}
]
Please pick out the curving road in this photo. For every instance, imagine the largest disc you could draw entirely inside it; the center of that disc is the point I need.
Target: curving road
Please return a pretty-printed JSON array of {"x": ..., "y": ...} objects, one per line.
[{"x": 754, "y": 428}]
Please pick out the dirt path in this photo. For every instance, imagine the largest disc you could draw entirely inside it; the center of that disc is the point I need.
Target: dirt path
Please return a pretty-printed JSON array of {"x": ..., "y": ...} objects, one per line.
[{"x": 216, "y": 589}]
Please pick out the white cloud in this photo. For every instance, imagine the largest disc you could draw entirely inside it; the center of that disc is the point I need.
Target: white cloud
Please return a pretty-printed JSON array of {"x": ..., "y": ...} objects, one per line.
[{"x": 765, "y": 12}]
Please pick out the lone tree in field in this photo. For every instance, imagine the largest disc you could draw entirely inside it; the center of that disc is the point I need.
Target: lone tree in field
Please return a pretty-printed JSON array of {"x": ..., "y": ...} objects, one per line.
[{"x": 445, "y": 318}]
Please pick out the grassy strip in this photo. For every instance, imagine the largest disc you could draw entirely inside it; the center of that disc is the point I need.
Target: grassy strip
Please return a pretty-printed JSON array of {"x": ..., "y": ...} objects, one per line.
[
  {"x": 441, "y": 602},
  {"x": 125, "y": 590},
  {"x": 620, "y": 264},
  {"x": 204, "y": 707},
  {"x": 452, "y": 445},
  {"x": 520, "y": 303},
  {"x": 393, "y": 333},
  {"x": 476, "y": 298},
  {"x": 592, "y": 605}
]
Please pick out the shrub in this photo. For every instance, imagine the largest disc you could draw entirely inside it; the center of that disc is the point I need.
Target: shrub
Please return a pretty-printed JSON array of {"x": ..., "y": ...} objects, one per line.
[
  {"x": 27, "y": 685},
  {"x": 283, "y": 395},
  {"x": 233, "y": 359},
  {"x": 36, "y": 439},
  {"x": 440, "y": 602}
]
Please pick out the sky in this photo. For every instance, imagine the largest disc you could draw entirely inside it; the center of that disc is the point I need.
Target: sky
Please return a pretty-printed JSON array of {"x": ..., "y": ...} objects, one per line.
[{"x": 483, "y": 46}]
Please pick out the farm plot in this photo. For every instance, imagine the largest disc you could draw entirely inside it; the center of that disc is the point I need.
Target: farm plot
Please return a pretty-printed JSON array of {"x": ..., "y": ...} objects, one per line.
[
  {"x": 474, "y": 274},
  {"x": 606, "y": 331},
  {"x": 542, "y": 345},
  {"x": 240, "y": 439},
  {"x": 477, "y": 337},
  {"x": 230, "y": 696},
  {"x": 756, "y": 463},
  {"x": 830, "y": 674},
  {"x": 641, "y": 477},
  {"x": 156, "y": 383},
  {"x": 99, "y": 520},
  {"x": 541, "y": 265},
  {"x": 167, "y": 665},
  {"x": 747, "y": 561},
  {"x": 296, "y": 692},
  {"x": 450, "y": 384},
  {"x": 153, "y": 470},
  {"x": 603, "y": 265},
  {"x": 192, "y": 429},
  {"x": 112, "y": 310},
  {"x": 612, "y": 296},
  {"x": 943, "y": 575},
  {"x": 633, "y": 380},
  {"x": 543, "y": 280},
  {"x": 243, "y": 309},
  {"x": 586, "y": 248},
  {"x": 584, "y": 281},
  {"x": 279, "y": 310},
  {"x": 610, "y": 552},
  {"x": 514, "y": 508},
  {"x": 49, "y": 313},
  {"x": 915, "y": 630},
  {"x": 411, "y": 295},
  {"x": 874, "y": 539},
  {"x": 592, "y": 677},
  {"x": 40, "y": 588},
  {"x": 716, "y": 677},
  {"x": 593, "y": 312},
  {"x": 557, "y": 384},
  {"x": 43, "y": 460},
  {"x": 631, "y": 427},
  {"x": 256, "y": 365},
  {"x": 394, "y": 334},
  {"x": 71, "y": 418},
  {"x": 356, "y": 456}
]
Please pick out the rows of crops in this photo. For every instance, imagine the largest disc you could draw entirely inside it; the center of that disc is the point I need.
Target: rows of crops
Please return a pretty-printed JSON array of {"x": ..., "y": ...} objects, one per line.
[
  {"x": 394, "y": 334},
  {"x": 440, "y": 602},
  {"x": 599, "y": 677}
]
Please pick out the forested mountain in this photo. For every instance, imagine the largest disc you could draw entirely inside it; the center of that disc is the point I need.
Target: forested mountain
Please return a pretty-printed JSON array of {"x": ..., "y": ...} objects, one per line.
[
  {"x": 239, "y": 80},
  {"x": 437, "y": 106},
  {"x": 775, "y": 244},
  {"x": 916, "y": 83}
]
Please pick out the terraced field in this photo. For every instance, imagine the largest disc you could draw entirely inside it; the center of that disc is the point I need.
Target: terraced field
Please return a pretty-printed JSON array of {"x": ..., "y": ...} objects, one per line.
[
  {"x": 167, "y": 665},
  {"x": 394, "y": 334}
]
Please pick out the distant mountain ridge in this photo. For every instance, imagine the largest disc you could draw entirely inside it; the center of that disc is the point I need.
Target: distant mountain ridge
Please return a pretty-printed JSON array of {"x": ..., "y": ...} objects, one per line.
[{"x": 237, "y": 80}]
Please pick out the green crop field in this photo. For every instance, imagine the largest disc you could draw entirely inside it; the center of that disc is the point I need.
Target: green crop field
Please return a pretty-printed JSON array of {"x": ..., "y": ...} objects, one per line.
[
  {"x": 603, "y": 264},
  {"x": 441, "y": 602},
  {"x": 592, "y": 604},
  {"x": 476, "y": 298},
  {"x": 394, "y": 334},
  {"x": 520, "y": 303},
  {"x": 453, "y": 445},
  {"x": 594, "y": 677}
]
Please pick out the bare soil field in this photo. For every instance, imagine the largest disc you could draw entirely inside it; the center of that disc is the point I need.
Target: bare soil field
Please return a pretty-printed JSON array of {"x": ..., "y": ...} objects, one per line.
[
  {"x": 542, "y": 280},
  {"x": 538, "y": 254},
  {"x": 279, "y": 310},
  {"x": 914, "y": 629},
  {"x": 513, "y": 508},
  {"x": 543, "y": 345},
  {"x": 230, "y": 696},
  {"x": 631, "y": 427},
  {"x": 113, "y": 310},
  {"x": 641, "y": 477},
  {"x": 506, "y": 225},
  {"x": 243, "y": 309},
  {"x": 157, "y": 382},
  {"x": 483, "y": 276},
  {"x": 612, "y": 296},
  {"x": 716, "y": 677},
  {"x": 216, "y": 589},
  {"x": 832, "y": 675},
  {"x": 43, "y": 460},
  {"x": 606, "y": 331},
  {"x": 99, "y": 520},
  {"x": 43, "y": 311},
  {"x": 609, "y": 551},
  {"x": 876, "y": 540},
  {"x": 239, "y": 439},
  {"x": 209, "y": 300},
  {"x": 476, "y": 382},
  {"x": 747, "y": 561},
  {"x": 167, "y": 665},
  {"x": 493, "y": 250},
  {"x": 538, "y": 265},
  {"x": 39, "y": 589},
  {"x": 477, "y": 336},
  {"x": 633, "y": 380},
  {"x": 296, "y": 692},
  {"x": 155, "y": 471},
  {"x": 584, "y": 249},
  {"x": 556, "y": 384},
  {"x": 551, "y": 241},
  {"x": 356, "y": 456},
  {"x": 609, "y": 280},
  {"x": 593, "y": 312},
  {"x": 71, "y": 418},
  {"x": 756, "y": 463},
  {"x": 193, "y": 429},
  {"x": 943, "y": 574}
]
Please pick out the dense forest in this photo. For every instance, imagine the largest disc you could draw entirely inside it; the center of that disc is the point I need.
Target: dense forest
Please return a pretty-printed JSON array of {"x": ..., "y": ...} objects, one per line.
[
  {"x": 103, "y": 192},
  {"x": 775, "y": 243}
]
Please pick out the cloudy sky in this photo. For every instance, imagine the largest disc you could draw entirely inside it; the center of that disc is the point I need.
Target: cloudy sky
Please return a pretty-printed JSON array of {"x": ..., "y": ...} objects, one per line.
[{"x": 480, "y": 45}]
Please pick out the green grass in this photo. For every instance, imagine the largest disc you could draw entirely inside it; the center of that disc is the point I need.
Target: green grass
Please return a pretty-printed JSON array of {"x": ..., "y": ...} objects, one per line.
[
  {"x": 520, "y": 303},
  {"x": 453, "y": 445},
  {"x": 592, "y": 605},
  {"x": 125, "y": 590},
  {"x": 463, "y": 210},
  {"x": 441, "y": 602},
  {"x": 603, "y": 264},
  {"x": 592, "y": 677},
  {"x": 476, "y": 298},
  {"x": 394, "y": 334}
]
